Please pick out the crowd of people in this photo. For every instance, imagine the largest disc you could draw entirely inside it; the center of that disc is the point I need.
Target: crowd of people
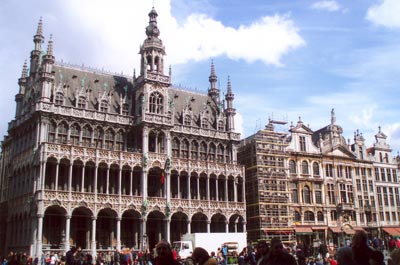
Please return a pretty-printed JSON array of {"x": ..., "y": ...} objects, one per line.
[{"x": 360, "y": 251}]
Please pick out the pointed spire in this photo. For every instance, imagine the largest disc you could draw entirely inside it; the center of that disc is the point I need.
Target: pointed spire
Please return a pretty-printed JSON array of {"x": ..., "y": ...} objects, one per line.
[
  {"x": 213, "y": 76},
  {"x": 39, "y": 30},
  {"x": 38, "y": 38},
  {"x": 50, "y": 46},
  {"x": 24, "y": 70}
]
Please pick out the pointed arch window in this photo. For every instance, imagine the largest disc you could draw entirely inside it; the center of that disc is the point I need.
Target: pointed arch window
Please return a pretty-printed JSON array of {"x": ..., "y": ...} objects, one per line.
[
  {"x": 119, "y": 141},
  {"x": 59, "y": 98},
  {"x": 86, "y": 135},
  {"x": 212, "y": 152},
  {"x": 81, "y": 102},
  {"x": 194, "y": 150},
  {"x": 220, "y": 155},
  {"x": 52, "y": 132},
  {"x": 109, "y": 139},
  {"x": 75, "y": 134},
  {"x": 104, "y": 106},
  {"x": 187, "y": 121},
  {"x": 185, "y": 149},
  {"x": 156, "y": 103},
  {"x": 98, "y": 137},
  {"x": 161, "y": 143},
  {"x": 203, "y": 151},
  {"x": 306, "y": 195},
  {"x": 175, "y": 148},
  {"x": 63, "y": 133}
]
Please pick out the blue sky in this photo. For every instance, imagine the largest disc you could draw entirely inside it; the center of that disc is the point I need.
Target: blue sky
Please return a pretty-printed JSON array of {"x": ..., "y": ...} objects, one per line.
[{"x": 286, "y": 59}]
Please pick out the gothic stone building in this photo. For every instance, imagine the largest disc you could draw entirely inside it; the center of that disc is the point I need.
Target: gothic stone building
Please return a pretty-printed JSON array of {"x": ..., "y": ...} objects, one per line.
[{"x": 104, "y": 161}]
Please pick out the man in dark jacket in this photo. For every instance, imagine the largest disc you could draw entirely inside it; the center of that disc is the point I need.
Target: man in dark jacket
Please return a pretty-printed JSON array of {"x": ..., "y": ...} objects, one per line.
[{"x": 70, "y": 256}]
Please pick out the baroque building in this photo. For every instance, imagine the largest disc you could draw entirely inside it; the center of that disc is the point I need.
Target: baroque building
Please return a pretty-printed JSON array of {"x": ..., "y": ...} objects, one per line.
[
  {"x": 333, "y": 187},
  {"x": 104, "y": 161}
]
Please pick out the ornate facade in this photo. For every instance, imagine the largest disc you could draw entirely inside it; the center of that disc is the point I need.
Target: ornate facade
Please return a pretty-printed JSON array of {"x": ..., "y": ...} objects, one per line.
[
  {"x": 334, "y": 187},
  {"x": 104, "y": 161}
]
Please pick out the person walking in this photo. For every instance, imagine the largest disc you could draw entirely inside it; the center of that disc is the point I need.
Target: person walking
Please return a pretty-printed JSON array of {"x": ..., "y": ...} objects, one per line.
[
  {"x": 164, "y": 254},
  {"x": 278, "y": 256}
]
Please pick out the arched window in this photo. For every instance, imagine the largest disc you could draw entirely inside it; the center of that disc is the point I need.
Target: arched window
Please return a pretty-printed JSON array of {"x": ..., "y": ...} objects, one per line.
[
  {"x": 212, "y": 152},
  {"x": 119, "y": 141},
  {"x": 81, "y": 102},
  {"x": 59, "y": 99},
  {"x": 185, "y": 149},
  {"x": 380, "y": 157},
  {"x": 309, "y": 216},
  {"x": 306, "y": 195},
  {"x": 98, "y": 137},
  {"x": 292, "y": 167},
  {"x": 297, "y": 216},
  {"x": 220, "y": 155},
  {"x": 156, "y": 103},
  {"x": 304, "y": 167},
  {"x": 63, "y": 133},
  {"x": 316, "y": 169},
  {"x": 109, "y": 139},
  {"x": 104, "y": 106},
  {"x": 204, "y": 123},
  {"x": 194, "y": 149},
  {"x": 75, "y": 134},
  {"x": 86, "y": 135},
  {"x": 320, "y": 216},
  {"x": 161, "y": 143},
  {"x": 52, "y": 132},
  {"x": 187, "y": 121},
  {"x": 386, "y": 158},
  {"x": 175, "y": 147},
  {"x": 203, "y": 151}
]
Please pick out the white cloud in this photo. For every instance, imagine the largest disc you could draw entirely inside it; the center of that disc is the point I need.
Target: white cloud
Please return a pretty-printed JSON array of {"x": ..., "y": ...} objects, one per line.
[
  {"x": 386, "y": 13},
  {"x": 117, "y": 33},
  {"x": 327, "y": 5}
]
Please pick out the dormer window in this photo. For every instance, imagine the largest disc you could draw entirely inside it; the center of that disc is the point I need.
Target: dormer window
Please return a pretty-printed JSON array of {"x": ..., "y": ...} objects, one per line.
[
  {"x": 104, "y": 106},
  {"x": 125, "y": 109},
  {"x": 204, "y": 123},
  {"x": 187, "y": 121},
  {"x": 59, "y": 99},
  {"x": 156, "y": 103},
  {"x": 81, "y": 102},
  {"x": 302, "y": 143},
  {"x": 221, "y": 126}
]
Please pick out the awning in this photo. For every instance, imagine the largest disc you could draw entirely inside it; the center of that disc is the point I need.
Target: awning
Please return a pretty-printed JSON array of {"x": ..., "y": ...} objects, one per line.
[
  {"x": 318, "y": 228},
  {"x": 303, "y": 230},
  {"x": 349, "y": 231},
  {"x": 335, "y": 229},
  {"x": 274, "y": 231},
  {"x": 360, "y": 229},
  {"x": 393, "y": 231}
]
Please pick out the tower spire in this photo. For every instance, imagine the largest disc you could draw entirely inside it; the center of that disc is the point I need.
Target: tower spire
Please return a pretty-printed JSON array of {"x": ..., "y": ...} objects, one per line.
[
  {"x": 230, "y": 111},
  {"x": 213, "y": 91},
  {"x": 39, "y": 38}
]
